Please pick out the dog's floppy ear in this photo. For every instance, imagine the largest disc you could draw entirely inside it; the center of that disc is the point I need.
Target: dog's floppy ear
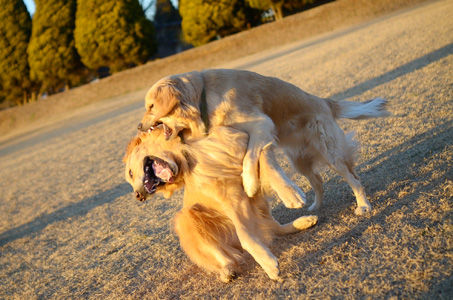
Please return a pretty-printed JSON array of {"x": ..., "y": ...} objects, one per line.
[
  {"x": 130, "y": 147},
  {"x": 168, "y": 96}
]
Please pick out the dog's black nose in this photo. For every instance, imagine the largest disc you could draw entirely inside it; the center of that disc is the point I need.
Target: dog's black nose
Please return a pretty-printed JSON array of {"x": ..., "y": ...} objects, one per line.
[
  {"x": 140, "y": 126},
  {"x": 140, "y": 197}
]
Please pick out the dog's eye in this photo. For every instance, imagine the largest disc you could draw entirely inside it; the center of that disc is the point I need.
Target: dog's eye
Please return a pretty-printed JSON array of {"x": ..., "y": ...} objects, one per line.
[
  {"x": 150, "y": 107},
  {"x": 130, "y": 173}
]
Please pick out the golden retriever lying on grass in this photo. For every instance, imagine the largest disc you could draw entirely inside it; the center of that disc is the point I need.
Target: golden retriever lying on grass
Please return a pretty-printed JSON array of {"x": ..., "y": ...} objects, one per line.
[
  {"x": 218, "y": 219},
  {"x": 267, "y": 109}
]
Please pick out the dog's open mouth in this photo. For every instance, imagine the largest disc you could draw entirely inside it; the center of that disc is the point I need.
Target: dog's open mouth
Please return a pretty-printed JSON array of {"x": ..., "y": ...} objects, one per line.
[
  {"x": 157, "y": 173},
  {"x": 167, "y": 130}
]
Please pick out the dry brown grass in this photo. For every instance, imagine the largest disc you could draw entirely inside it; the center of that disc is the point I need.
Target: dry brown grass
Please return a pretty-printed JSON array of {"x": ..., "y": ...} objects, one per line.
[{"x": 71, "y": 228}]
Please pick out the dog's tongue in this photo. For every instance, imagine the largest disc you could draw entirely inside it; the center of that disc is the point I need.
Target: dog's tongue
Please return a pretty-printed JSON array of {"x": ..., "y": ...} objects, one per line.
[{"x": 163, "y": 172}]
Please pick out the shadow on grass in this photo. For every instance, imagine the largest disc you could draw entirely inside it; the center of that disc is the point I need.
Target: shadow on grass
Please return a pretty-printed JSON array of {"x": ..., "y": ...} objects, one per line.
[
  {"x": 396, "y": 162},
  {"x": 400, "y": 165},
  {"x": 76, "y": 209},
  {"x": 410, "y": 67},
  {"x": 442, "y": 289}
]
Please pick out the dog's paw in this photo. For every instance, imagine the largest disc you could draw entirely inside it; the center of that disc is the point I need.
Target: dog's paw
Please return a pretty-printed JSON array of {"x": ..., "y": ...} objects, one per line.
[
  {"x": 361, "y": 210},
  {"x": 305, "y": 222},
  {"x": 291, "y": 196},
  {"x": 250, "y": 179},
  {"x": 294, "y": 202},
  {"x": 300, "y": 199},
  {"x": 272, "y": 270},
  {"x": 227, "y": 274},
  {"x": 250, "y": 183}
]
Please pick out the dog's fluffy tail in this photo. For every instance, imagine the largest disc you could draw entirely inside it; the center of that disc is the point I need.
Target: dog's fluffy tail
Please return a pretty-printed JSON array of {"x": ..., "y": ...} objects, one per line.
[{"x": 373, "y": 108}]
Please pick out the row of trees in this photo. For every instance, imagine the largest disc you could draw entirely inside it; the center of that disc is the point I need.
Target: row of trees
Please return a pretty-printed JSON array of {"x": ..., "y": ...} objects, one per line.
[
  {"x": 206, "y": 20},
  {"x": 68, "y": 41}
]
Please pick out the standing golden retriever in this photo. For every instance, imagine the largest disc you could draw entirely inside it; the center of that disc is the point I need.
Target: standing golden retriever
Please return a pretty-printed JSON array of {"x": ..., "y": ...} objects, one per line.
[
  {"x": 218, "y": 219},
  {"x": 267, "y": 109}
]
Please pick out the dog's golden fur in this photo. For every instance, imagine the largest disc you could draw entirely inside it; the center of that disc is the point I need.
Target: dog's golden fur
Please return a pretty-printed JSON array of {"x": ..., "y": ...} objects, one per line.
[
  {"x": 218, "y": 219},
  {"x": 267, "y": 109}
]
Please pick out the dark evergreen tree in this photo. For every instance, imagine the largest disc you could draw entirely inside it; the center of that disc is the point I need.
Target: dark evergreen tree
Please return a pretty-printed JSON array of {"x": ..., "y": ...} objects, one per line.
[
  {"x": 15, "y": 31},
  {"x": 53, "y": 58},
  {"x": 113, "y": 33},
  {"x": 207, "y": 20}
]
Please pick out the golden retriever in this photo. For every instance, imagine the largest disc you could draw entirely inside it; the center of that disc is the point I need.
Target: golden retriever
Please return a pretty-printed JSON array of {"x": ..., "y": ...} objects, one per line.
[
  {"x": 267, "y": 109},
  {"x": 218, "y": 219}
]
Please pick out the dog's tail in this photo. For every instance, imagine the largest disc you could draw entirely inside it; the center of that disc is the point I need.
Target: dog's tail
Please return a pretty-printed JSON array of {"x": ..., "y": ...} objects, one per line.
[{"x": 373, "y": 108}]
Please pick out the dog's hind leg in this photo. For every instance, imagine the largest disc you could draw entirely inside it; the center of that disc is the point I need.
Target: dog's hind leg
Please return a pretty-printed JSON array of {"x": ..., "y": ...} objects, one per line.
[
  {"x": 276, "y": 228},
  {"x": 348, "y": 174},
  {"x": 341, "y": 159},
  {"x": 339, "y": 154},
  {"x": 305, "y": 166},
  {"x": 272, "y": 176},
  {"x": 297, "y": 225},
  {"x": 316, "y": 183}
]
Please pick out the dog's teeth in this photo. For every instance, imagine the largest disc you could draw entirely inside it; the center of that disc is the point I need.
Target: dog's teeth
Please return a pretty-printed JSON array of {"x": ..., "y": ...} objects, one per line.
[
  {"x": 146, "y": 181},
  {"x": 146, "y": 169}
]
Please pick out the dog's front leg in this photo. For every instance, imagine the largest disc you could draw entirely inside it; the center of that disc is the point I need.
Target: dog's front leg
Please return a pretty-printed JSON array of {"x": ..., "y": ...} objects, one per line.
[
  {"x": 240, "y": 213},
  {"x": 261, "y": 134},
  {"x": 272, "y": 175}
]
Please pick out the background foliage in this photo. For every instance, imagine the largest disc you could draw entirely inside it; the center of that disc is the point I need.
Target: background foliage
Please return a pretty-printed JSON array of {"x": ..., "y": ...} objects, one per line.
[
  {"x": 113, "y": 33},
  {"x": 53, "y": 58},
  {"x": 15, "y": 31},
  {"x": 204, "y": 21}
]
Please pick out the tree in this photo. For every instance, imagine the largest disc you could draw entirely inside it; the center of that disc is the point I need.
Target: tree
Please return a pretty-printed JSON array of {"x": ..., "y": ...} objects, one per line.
[
  {"x": 206, "y": 20},
  {"x": 113, "y": 33},
  {"x": 53, "y": 58},
  {"x": 15, "y": 31}
]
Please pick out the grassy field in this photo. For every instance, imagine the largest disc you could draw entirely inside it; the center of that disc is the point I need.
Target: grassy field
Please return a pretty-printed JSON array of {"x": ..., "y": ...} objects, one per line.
[{"x": 71, "y": 228}]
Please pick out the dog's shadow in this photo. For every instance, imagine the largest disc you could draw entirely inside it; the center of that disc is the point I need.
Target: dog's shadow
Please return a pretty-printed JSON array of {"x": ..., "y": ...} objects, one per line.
[{"x": 389, "y": 176}]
